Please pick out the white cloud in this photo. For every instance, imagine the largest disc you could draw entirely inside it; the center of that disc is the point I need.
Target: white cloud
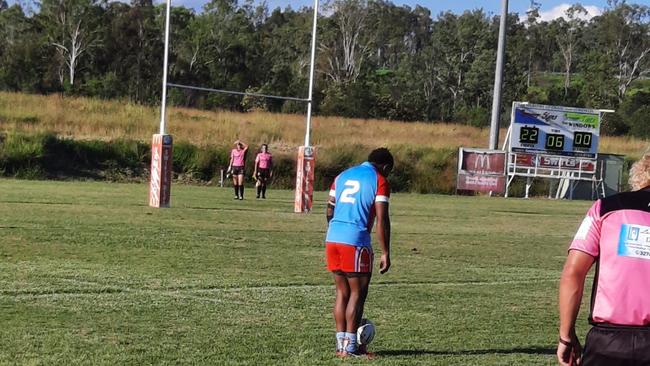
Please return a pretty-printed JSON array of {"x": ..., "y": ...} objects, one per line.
[{"x": 560, "y": 12}]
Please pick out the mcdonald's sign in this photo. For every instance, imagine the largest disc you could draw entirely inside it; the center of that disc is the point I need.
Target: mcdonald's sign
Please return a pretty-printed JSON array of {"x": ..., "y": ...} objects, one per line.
[{"x": 481, "y": 170}]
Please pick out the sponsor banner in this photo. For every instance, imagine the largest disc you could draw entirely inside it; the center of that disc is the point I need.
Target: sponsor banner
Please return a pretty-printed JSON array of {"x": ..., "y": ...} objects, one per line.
[
  {"x": 305, "y": 179},
  {"x": 481, "y": 170},
  {"x": 555, "y": 130},
  {"x": 555, "y": 162},
  {"x": 481, "y": 183},
  {"x": 161, "y": 171},
  {"x": 483, "y": 161}
]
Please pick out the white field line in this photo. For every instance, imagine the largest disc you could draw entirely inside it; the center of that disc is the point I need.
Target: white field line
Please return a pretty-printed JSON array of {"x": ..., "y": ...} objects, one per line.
[{"x": 192, "y": 293}]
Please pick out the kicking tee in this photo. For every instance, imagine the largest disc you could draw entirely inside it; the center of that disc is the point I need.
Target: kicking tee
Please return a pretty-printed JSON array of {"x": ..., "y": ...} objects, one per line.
[
  {"x": 354, "y": 193},
  {"x": 616, "y": 232}
]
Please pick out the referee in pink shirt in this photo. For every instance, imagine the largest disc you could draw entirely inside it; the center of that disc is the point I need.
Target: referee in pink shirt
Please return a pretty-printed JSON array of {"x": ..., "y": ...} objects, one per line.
[{"x": 615, "y": 239}]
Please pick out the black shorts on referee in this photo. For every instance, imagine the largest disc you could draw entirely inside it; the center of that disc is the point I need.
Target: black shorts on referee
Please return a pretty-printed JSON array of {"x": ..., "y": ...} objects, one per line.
[
  {"x": 263, "y": 174},
  {"x": 608, "y": 345}
]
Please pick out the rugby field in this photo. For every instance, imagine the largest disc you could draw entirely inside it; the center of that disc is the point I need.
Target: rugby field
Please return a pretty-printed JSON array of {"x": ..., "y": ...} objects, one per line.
[{"x": 89, "y": 274}]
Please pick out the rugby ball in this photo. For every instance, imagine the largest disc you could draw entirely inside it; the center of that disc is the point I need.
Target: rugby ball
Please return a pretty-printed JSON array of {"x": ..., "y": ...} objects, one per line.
[{"x": 366, "y": 332}]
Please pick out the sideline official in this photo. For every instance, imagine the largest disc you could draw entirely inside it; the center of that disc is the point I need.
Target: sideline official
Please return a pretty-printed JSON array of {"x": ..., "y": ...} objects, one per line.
[{"x": 614, "y": 238}]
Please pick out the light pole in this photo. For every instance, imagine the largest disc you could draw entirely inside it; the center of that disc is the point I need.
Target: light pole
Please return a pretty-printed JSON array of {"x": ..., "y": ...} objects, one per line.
[{"x": 498, "y": 78}]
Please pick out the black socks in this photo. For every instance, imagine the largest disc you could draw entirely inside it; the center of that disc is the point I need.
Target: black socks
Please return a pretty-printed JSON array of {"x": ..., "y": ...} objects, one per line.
[
  {"x": 261, "y": 189},
  {"x": 239, "y": 191}
]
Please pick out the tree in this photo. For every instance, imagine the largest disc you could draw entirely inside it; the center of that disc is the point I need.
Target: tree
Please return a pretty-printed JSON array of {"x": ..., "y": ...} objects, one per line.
[
  {"x": 457, "y": 41},
  {"x": 568, "y": 39},
  {"x": 348, "y": 49},
  {"x": 70, "y": 30},
  {"x": 376, "y": 59},
  {"x": 532, "y": 37},
  {"x": 625, "y": 29},
  {"x": 21, "y": 54}
]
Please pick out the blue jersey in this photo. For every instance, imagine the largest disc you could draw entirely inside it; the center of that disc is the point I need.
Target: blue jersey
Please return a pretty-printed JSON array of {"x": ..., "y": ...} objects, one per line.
[{"x": 354, "y": 193}]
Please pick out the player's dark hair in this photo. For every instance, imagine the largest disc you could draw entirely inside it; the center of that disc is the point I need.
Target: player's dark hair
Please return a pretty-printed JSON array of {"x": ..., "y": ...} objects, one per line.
[{"x": 381, "y": 156}]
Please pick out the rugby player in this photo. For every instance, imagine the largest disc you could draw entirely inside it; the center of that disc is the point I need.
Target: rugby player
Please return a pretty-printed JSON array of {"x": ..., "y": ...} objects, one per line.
[
  {"x": 615, "y": 238},
  {"x": 263, "y": 170},
  {"x": 357, "y": 196},
  {"x": 236, "y": 168}
]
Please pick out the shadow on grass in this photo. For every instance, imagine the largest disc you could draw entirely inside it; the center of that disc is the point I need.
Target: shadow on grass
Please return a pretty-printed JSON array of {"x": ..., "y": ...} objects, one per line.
[{"x": 421, "y": 352}]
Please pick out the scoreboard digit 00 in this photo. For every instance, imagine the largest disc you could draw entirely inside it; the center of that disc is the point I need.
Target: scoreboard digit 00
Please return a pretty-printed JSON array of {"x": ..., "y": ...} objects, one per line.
[{"x": 555, "y": 130}]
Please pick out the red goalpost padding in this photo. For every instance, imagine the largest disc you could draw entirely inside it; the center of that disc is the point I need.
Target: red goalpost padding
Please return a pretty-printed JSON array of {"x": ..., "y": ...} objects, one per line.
[
  {"x": 160, "y": 182},
  {"x": 305, "y": 179}
]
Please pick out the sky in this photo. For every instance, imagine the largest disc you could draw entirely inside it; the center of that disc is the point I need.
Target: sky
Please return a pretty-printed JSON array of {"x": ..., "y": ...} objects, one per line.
[{"x": 550, "y": 9}]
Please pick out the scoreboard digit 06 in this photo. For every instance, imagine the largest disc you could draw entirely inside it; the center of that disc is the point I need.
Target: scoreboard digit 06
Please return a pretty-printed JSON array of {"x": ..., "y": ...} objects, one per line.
[{"x": 555, "y": 130}]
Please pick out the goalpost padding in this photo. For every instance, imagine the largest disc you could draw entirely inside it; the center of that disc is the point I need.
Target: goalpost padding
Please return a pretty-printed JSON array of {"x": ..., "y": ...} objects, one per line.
[
  {"x": 160, "y": 182},
  {"x": 306, "y": 162}
]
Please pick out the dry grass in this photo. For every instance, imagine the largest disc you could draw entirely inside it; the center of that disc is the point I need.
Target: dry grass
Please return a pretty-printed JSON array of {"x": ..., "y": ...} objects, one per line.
[{"x": 85, "y": 118}]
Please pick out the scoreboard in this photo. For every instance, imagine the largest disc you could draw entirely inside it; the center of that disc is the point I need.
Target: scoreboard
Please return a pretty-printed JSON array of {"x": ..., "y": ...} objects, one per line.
[{"x": 555, "y": 130}]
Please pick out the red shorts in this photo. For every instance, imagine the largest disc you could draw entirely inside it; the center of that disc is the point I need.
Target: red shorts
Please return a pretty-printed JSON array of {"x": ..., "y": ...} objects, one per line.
[{"x": 348, "y": 258}]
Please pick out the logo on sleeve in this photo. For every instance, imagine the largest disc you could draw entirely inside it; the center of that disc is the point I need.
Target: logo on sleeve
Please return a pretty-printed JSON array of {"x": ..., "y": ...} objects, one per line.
[
  {"x": 584, "y": 229},
  {"x": 634, "y": 241}
]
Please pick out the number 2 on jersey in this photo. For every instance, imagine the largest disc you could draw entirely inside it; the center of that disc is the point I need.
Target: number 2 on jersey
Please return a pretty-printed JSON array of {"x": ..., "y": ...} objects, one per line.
[{"x": 352, "y": 187}]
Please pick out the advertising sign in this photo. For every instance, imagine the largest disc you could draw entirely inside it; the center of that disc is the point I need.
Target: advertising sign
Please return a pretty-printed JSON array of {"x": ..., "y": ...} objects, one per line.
[
  {"x": 481, "y": 170},
  {"x": 305, "y": 179},
  {"x": 161, "y": 171},
  {"x": 555, "y": 130},
  {"x": 554, "y": 162}
]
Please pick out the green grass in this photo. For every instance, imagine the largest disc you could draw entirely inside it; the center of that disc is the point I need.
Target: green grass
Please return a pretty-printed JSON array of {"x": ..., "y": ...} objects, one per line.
[{"x": 89, "y": 274}]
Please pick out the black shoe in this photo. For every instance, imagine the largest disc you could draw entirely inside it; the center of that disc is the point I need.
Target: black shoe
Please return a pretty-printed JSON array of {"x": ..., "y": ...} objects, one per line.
[
  {"x": 263, "y": 197},
  {"x": 258, "y": 196},
  {"x": 241, "y": 198}
]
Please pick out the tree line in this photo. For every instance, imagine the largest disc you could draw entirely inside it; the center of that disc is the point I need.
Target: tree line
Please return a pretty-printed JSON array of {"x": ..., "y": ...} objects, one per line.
[{"x": 375, "y": 59}]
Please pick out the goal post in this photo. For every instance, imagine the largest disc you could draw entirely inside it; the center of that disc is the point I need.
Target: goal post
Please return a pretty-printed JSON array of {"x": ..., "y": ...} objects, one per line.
[
  {"x": 162, "y": 151},
  {"x": 306, "y": 161},
  {"x": 160, "y": 180}
]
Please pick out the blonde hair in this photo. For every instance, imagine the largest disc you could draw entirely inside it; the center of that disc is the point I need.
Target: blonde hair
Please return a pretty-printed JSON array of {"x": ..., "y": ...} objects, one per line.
[{"x": 640, "y": 173}]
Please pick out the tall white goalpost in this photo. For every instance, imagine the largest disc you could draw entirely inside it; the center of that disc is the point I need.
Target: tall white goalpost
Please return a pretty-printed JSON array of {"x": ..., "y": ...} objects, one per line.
[{"x": 162, "y": 149}]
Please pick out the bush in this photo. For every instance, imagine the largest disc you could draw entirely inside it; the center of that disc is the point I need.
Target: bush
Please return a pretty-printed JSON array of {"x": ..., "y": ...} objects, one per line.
[
  {"x": 423, "y": 170},
  {"x": 537, "y": 95},
  {"x": 640, "y": 122},
  {"x": 20, "y": 155},
  {"x": 106, "y": 87},
  {"x": 614, "y": 125},
  {"x": 635, "y": 111},
  {"x": 185, "y": 158},
  {"x": 346, "y": 100},
  {"x": 474, "y": 116}
]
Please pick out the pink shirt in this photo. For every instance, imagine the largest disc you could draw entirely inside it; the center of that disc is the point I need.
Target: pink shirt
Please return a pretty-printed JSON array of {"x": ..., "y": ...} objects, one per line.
[
  {"x": 264, "y": 160},
  {"x": 238, "y": 157},
  {"x": 616, "y": 232}
]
